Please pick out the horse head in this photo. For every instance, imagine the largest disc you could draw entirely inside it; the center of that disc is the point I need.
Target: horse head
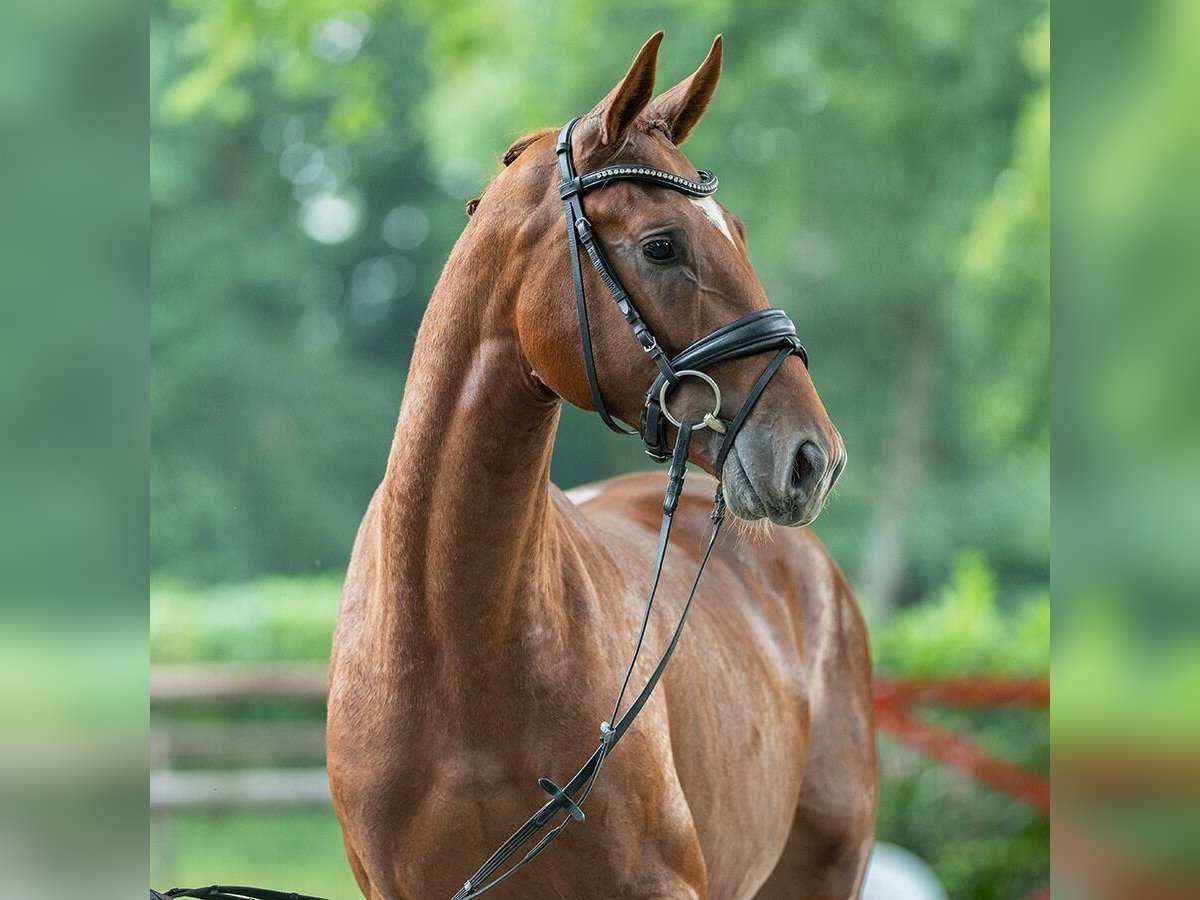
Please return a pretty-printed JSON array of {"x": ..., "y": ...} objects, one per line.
[{"x": 683, "y": 261}]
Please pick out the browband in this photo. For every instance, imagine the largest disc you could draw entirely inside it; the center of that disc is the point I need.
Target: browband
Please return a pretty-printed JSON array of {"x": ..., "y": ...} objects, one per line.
[{"x": 705, "y": 187}]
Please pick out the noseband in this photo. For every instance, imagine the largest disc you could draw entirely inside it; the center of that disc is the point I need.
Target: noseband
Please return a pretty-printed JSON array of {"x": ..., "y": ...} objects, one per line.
[{"x": 760, "y": 332}]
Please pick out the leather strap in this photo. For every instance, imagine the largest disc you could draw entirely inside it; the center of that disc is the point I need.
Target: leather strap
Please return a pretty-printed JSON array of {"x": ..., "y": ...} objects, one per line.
[
  {"x": 229, "y": 892},
  {"x": 705, "y": 187},
  {"x": 767, "y": 329},
  {"x": 610, "y": 734},
  {"x": 574, "y": 215},
  {"x": 764, "y": 329},
  {"x": 756, "y": 333},
  {"x": 576, "y": 223}
]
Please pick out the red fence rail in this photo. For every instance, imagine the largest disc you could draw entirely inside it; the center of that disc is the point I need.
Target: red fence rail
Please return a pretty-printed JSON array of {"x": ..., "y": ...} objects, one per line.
[{"x": 896, "y": 698}]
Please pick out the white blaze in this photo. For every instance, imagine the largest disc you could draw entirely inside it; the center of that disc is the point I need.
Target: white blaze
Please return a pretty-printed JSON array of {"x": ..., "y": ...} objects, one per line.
[{"x": 712, "y": 209}]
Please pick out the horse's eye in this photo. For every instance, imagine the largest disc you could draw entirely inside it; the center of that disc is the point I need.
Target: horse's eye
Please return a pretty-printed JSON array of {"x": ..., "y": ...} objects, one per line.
[{"x": 658, "y": 250}]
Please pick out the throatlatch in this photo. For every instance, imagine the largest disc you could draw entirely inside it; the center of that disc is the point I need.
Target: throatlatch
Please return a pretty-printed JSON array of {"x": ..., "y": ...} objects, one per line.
[{"x": 760, "y": 332}]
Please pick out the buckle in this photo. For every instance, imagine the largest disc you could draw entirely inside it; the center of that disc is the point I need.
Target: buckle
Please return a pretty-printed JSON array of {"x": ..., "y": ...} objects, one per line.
[
  {"x": 718, "y": 512},
  {"x": 607, "y": 733}
]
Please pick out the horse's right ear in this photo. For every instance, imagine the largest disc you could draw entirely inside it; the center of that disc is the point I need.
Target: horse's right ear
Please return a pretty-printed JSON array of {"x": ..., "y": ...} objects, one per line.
[
  {"x": 625, "y": 102},
  {"x": 681, "y": 107}
]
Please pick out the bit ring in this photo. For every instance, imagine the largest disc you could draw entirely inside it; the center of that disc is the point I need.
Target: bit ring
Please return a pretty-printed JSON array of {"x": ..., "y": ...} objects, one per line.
[{"x": 711, "y": 419}]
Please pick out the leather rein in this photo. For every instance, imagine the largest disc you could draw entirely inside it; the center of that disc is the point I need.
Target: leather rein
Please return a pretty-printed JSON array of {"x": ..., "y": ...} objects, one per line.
[{"x": 759, "y": 332}]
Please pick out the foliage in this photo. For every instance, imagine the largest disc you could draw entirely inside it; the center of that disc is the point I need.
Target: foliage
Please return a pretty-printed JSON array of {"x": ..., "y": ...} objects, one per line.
[
  {"x": 981, "y": 844},
  {"x": 961, "y": 631},
  {"x": 276, "y": 364},
  {"x": 296, "y": 850},
  {"x": 1112, "y": 691},
  {"x": 273, "y": 619},
  {"x": 308, "y": 167}
]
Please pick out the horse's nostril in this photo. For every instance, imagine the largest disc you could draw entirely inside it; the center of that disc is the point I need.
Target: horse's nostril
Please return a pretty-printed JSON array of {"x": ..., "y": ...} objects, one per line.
[{"x": 808, "y": 467}]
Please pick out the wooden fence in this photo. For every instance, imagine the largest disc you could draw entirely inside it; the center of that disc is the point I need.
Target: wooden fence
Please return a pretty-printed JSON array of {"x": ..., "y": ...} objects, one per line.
[
  {"x": 184, "y": 752},
  {"x": 180, "y": 750}
]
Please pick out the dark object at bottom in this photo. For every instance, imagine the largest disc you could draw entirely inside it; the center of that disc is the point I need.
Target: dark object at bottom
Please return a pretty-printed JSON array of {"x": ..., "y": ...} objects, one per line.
[{"x": 229, "y": 892}]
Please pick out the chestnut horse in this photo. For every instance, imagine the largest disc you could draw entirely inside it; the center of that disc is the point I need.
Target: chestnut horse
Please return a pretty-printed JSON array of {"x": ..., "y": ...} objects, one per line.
[{"x": 487, "y": 616}]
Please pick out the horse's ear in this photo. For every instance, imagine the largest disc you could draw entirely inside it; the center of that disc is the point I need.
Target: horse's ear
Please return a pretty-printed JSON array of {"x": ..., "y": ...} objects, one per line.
[
  {"x": 681, "y": 107},
  {"x": 621, "y": 107}
]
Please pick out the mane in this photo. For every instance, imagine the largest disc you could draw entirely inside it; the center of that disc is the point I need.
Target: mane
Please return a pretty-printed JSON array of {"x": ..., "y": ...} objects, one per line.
[
  {"x": 510, "y": 156},
  {"x": 520, "y": 144}
]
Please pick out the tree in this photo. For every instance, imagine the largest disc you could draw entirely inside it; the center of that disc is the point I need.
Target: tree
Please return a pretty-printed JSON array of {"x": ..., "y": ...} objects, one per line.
[{"x": 889, "y": 161}]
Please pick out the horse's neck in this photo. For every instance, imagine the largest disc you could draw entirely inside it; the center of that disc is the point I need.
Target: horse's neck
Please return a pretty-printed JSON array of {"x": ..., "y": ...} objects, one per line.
[{"x": 464, "y": 508}]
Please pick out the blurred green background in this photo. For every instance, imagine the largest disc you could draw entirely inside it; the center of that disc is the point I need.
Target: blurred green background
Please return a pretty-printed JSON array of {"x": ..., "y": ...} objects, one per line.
[
  {"x": 310, "y": 161},
  {"x": 309, "y": 166},
  {"x": 905, "y": 230}
]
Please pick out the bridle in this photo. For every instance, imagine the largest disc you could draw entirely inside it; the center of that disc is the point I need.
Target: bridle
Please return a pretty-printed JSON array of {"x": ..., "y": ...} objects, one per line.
[{"x": 759, "y": 332}]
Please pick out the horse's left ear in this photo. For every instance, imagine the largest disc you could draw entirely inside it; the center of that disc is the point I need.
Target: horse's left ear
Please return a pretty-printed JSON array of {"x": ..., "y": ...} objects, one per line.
[{"x": 681, "y": 107}]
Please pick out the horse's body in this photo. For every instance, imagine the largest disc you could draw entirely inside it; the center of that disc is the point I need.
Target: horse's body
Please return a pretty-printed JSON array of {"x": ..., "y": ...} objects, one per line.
[{"x": 487, "y": 619}]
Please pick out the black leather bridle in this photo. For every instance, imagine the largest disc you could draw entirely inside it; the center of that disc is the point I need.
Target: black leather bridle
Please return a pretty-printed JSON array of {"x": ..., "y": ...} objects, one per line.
[
  {"x": 228, "y": 892},
  {"x": 760, "y": 332}
]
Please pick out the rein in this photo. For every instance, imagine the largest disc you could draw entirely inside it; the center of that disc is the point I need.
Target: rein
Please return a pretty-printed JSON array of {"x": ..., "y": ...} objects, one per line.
[
  {"x": 228, "y": 892},
  {"x": 759, "y": 332}
]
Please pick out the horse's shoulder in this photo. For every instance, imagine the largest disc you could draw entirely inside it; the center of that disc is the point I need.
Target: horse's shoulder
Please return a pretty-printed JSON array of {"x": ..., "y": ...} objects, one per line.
[{"x": 637, "y": 498}]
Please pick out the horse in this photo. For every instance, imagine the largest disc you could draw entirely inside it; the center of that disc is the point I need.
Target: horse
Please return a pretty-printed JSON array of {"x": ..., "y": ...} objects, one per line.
[{"x": 486, "y": 614}]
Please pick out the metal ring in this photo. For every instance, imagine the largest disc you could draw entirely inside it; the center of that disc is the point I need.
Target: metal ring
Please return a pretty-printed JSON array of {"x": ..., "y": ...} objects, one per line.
[{"x": 662, "y": 398}]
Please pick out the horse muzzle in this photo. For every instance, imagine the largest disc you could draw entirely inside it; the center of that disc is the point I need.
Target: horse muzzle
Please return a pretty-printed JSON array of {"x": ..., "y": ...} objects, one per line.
[{"x": 784, "y": 479}]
